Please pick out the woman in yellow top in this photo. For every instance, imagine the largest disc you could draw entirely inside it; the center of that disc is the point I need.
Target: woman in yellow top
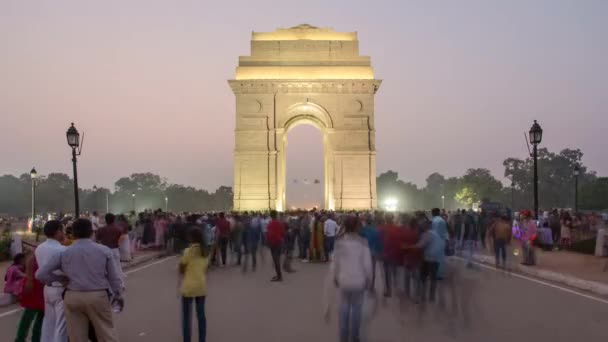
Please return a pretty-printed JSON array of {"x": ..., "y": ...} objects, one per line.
[{"x": 193, "y": 269}]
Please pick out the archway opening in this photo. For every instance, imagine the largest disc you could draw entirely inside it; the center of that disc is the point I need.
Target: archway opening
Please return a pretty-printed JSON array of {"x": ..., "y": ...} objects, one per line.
[{"x": 305, "y": 163}]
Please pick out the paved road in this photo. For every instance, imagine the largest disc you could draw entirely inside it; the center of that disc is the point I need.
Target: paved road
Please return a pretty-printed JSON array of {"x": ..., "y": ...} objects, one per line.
[{"x": 247, "y": 307}]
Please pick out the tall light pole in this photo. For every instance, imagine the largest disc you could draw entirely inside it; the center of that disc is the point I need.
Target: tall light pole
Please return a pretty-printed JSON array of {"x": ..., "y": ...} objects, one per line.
[
  {"x": 512, "y": 196},
  {"x": 33, "y": 176},
  {"x": 107, "y": 198},
  {"x": 577, "y": 172},
  {"x": 166, "y": 203},
  {"x": 95, "y": 189},
  {"x": 443, "y": 201},
  {"x": 536, "y": 136},
  {"x": 133, "y": 196},
  {"x": 75, "y": 143}
]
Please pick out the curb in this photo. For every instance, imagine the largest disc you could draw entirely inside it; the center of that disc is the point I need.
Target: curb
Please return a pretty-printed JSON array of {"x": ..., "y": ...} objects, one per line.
[{"x": 581, "y": 284}]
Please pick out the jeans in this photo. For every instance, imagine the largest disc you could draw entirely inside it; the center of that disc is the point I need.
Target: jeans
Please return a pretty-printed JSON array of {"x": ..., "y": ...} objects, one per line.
[
  {"x": 411, "y": 283},
  {"x": 390, "y": 274},
  {"x": 276, "y": 259},
  {"x": 223, "y": 242},
  {"x": 287, "y": 260},
  {"x": 469, "y": 247},
  {"x": 303, "y": 244},
  {"x": 375, "y": 260},
  {"x": 239, "y": 251},
  {"x": 329, "y": 246},
  {"x": 251, "y": 251},
  {"x": 351, "y": 304},
  {"x": 529, "y": 257},
  {"x": 429, "y": 270},
  {"x": 54, "y": 327},
  {"x": 25, "y": 322},
  {"x": 187, "y": 318},
  {"x": 500, "y": 250}
]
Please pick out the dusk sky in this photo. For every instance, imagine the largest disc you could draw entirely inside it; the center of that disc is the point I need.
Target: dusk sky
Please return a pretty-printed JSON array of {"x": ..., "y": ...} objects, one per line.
[{"x": 146, "y": 81}]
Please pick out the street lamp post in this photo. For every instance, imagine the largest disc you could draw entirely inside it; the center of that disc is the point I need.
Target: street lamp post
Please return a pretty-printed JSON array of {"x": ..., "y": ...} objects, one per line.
[
  {"x": 166, "y": 203},
  {"x": 33, "y": 176},
  {"x": 133, "y": 197},
  {"x": 95, "y": 189},
  {"x": 443, "y": 201},
  {"x": 577, "y": 172},
  {"x": 536, "y": 136},
  {"x": 107, "y": 198},
  {"x": 512, "y": 195},
  {"x": 75, "y": 143}
]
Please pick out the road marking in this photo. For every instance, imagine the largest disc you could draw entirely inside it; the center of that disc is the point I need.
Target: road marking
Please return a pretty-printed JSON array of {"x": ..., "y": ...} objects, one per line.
[
  {"x": 8, "y": 313},
  {"x": 14, "y": 311},
  {"x": 600, "y": 300},
  {"x": 149, "y": 265}
]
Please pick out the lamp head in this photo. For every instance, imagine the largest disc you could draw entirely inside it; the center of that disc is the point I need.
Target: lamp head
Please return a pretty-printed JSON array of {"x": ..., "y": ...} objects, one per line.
[
  {"x": 73, "y": 136},
  {"x": 536, "y": 134}
]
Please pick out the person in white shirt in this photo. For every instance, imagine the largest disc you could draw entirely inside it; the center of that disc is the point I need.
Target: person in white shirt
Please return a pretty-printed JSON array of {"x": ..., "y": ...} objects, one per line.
[
  {"x": 330, "y": 229},
  {"x": 54, "y": 325},
  {"x": 351, "y": 273},
  {"x": 95, "y": 221}
]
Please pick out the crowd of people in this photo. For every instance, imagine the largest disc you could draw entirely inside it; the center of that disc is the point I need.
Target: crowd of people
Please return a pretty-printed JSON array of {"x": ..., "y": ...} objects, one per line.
[
  {"x": 560, "y": 229},
  {"x": 73, "y": 282},
  {"x": 67, "y": 285}
]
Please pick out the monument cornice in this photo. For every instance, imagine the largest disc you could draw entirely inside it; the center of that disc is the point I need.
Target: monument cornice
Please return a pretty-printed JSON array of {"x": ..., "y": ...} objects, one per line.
[{"x": 301, "y": 86}]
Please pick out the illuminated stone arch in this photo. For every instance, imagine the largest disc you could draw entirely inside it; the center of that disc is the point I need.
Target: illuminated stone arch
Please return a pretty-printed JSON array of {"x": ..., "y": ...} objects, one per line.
[{"x": 304, "y": 75}]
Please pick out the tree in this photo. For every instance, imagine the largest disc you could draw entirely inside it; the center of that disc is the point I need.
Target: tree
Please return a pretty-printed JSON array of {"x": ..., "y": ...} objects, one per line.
[
  {"x": 435, "y": 184},
  {"x": 408, "y": 196},
  {"x": 140, "y": 182},
  {"x": 467, "y": 196},
  {"x": 94, "y": 200},
  {"x": 15, "y": 196},
  {"x": 451, "y": 187},
  {"x": 55, "y": 193},
  {"x": 386, "y": 184},
  {"x": 594, "y": 195},
  {"x": 222, "y": 198},
  {"x": 555, "y": 175},
  {"x": 481, "y": 185}
]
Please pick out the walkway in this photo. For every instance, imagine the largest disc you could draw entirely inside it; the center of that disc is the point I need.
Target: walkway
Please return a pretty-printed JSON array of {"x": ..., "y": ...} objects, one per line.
[
  {"x": 247, "y": 307},
  {"x": 577, "y": 270}
]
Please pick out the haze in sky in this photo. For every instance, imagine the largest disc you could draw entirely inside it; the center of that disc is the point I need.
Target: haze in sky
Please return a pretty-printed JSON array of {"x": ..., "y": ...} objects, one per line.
[{"x": 146, "y": 81}]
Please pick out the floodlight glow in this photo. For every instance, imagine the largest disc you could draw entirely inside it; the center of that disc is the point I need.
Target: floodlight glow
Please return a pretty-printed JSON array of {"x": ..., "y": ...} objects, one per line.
[{"x": 390, "y": 204}]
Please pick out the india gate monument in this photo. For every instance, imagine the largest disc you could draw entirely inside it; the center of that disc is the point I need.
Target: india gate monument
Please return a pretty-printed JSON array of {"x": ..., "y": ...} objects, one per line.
[{"x": 304, "y": 75}]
